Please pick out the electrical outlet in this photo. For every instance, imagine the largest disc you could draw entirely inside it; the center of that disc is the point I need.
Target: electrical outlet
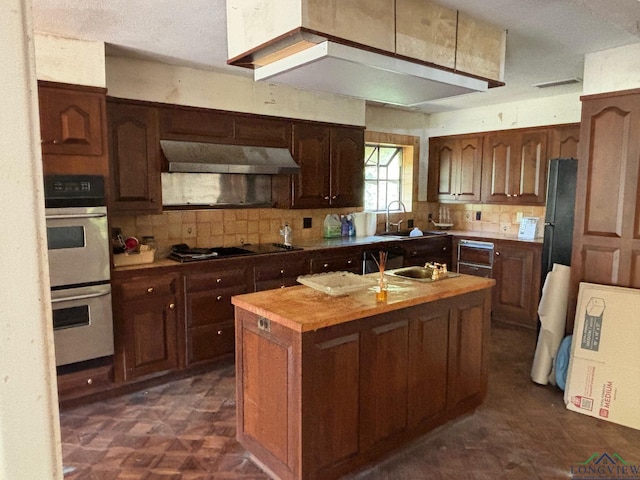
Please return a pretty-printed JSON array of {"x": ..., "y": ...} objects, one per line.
[
  {"x": 306, "y": 222},
  {"x": 478, "y": 216}
]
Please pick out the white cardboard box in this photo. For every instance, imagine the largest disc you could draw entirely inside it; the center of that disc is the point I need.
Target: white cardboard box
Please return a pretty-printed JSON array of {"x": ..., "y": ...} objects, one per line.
[{"x": 603, "y": 378}]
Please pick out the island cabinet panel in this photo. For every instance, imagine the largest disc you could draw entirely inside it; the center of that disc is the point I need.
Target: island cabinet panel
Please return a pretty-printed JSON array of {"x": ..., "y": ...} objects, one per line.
[
  {"x": 427, "y": 371},
  {"x": 321, "y": 403},
  {"x": 606, "y": 238},
  {"x": 385, "y": 380},
  {"x": 468, "y": 359}
]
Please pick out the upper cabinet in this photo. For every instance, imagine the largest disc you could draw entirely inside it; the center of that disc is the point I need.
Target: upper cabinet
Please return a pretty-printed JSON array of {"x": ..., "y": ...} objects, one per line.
[
  {"x": 135, "y": 158},
  {"x": 515, "y": 167},
  {"x": 455, "y": 166},
  {"x": 563, "y": 141},
  {"x": 72, "y": 128},
  {"x": 331, "y": 160},
  {"x": 419, "y": 31}
]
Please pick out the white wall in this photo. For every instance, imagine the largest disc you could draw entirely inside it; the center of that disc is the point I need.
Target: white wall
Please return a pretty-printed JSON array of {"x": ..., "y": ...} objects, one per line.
[
  {"x": 69, "y": 60},
  {"x": 142, "y": 80},
  {"x": 612, "y": 70},
  {"x": 29, "y": 425}
]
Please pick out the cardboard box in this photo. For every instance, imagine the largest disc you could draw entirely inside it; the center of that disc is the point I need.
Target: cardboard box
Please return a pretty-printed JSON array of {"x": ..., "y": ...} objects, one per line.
[{"x": 603, "y": 378}]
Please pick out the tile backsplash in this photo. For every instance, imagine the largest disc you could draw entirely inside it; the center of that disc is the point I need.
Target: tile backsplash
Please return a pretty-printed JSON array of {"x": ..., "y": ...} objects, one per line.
[{"x": 232, "y": 227}]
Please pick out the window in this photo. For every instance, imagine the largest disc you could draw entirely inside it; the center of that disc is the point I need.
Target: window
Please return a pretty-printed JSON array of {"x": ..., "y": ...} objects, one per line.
[{"x": 382, "y": 176}]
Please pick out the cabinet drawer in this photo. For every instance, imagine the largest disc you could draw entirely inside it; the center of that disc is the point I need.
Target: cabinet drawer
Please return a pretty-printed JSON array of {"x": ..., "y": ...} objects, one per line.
[
  {"x": 280, "y": 271},
  {"x": 478, "y": 271},
  {"x": 211, "y": 307},
  {"x": 141, "y": 288},
  {"x": 480, "y": 256},
  {"x": 210, "y": 341},
  {"x": 234, "y": 277},
  {"x": 335, "y": 264}
]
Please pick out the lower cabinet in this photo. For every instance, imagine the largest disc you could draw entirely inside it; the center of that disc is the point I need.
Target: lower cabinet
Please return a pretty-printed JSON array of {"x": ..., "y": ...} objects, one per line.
[
  {"x": 430, "y": 249},
  {"x": 516, "y": 269},
  {"x": 209, "y": 313},
  {"x": 321, "y": 403},
  {"x": 279, "y": 271},
  {"x": 345, "y": 260},
  {"x": 146, "y": 313}
]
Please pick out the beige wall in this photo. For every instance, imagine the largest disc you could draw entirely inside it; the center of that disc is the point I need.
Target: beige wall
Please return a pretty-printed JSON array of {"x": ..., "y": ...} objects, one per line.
[
  {"x": 29, "y": 425},
  {"x": 612, "y": 70},
  {"x": 158, "y": 82},
  {"x": 69, "y": 60}
]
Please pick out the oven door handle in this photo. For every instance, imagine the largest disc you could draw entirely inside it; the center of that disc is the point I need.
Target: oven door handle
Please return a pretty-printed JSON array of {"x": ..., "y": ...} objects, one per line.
[
  {"x": 75, "y": 215},
  {"x": 81, "y": 297}
]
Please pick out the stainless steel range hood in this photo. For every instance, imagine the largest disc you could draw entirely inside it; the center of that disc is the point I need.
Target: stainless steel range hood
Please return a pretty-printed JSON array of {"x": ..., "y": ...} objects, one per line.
[
  {"x": 336, "y": 68},
  {"x": 196, "y": 157}
]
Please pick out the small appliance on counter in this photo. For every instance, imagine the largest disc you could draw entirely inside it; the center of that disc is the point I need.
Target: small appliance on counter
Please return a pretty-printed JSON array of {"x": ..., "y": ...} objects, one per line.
[{"x": 528, "y": 228}]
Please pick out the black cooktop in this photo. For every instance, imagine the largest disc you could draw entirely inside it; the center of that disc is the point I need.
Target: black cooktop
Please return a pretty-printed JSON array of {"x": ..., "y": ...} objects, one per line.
[{"x": 184, "y": 253}]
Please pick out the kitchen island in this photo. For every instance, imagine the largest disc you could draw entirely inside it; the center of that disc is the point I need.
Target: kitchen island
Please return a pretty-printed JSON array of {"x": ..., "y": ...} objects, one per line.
[{"x": 328, "y": 384}]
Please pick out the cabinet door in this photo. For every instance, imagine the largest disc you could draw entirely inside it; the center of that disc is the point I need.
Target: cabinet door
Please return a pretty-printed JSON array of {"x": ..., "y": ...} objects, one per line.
[
  {"x": 428, "y": 360},
  {"x": 468, "y": 350},
  {"x": 606, "y": 240},
  {"x": 145, "y": 325},
  {"x": 563, "y": 141},
  {"x": 134, "y": 150},
  {"x": 263, "y": 132},
  {"x": 71, "y": 120},
  {"x": 455, "y": 166},
  {"x": 516, "y": 269},
  {"x": 514, "y": 167},
  {"x": 311, "y": 149},
  {"x": 197, "y": 125},
  {"x": 346, "y": 182}
]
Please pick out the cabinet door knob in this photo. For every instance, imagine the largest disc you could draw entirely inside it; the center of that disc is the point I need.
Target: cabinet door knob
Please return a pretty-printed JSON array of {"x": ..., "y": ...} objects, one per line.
[
  {"x": 497, "y": 254},
  {"x": 325, "y": 265},
  {"x": 326, "y": 198},
  {"x": 334, "y": 197},
  {"x": 219, "y": 332},
  {"x": 282, "y": 272},
  {"x": 172, "y": 306},
  {"x": 219, "y": 297},
  {"x": 349, "y": 262},
  {"x": 150, "y": 290},
  {"x": 218, "y": 280},
  {"x": 89, "y": 381}
]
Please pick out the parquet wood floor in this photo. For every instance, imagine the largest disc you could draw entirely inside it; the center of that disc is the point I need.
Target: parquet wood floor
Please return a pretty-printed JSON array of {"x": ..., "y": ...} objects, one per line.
[{"x": 185, "y": 430}]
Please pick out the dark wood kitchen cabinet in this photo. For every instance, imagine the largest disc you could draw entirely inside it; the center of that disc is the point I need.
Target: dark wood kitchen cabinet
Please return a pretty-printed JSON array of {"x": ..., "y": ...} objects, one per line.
[
  {"x": 331, "y": 160},
  {"x": 209, "y": 312},
  {"x": 430, "y": 249},
  {"x": 517, "y": 270},
  {"x": 563, "y": 141},
  {"x": 146, "y": 316},
  {"x": 278, "y": 271},
  {"x": 135, "y": 158},
  {"x": 514, "y": 167},
  {"x": 73, "y": 129},
  {"x": 606, "y": 238},
  {"x": 455, "y": 167},
  {"x": 340, "y": 259}
]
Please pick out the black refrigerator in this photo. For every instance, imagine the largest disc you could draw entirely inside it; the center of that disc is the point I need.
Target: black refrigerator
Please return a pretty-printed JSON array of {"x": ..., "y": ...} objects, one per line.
[{"x": 558, "y": 221}]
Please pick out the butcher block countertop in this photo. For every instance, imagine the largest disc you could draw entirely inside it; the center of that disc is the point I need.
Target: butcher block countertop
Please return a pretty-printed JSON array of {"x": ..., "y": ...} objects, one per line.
[{"x": 303, "y": 309}]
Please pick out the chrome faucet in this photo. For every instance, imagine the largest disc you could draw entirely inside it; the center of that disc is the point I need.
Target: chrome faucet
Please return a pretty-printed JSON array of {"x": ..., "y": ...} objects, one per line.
[{"x": 391, "y": 224}]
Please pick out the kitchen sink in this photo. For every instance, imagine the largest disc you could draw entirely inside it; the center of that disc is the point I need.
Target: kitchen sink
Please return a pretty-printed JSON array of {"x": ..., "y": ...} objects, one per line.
[{"x": 421, "y": 274}]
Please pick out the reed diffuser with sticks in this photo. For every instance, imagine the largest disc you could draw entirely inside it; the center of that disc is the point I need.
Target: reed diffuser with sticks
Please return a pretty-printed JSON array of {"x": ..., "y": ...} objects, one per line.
[{"x": 381, "y": 288}]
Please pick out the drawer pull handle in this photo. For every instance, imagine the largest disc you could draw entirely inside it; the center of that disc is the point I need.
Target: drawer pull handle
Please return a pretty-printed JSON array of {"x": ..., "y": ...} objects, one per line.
[
  {"x": 282, "y": 272},
  {"x": 218, "y": 280},
  {"x": 497, "y": 254},
  {"x": 326, "y": 265},
  {"x": 219, "y": 332},
  {"x": 150, "y": 290},
  {"x": 89, "y": 381},
  {"x": 349, "y": 262},
  {"x": 172, "y": 306},
  {"x": 219, "y": 297}
]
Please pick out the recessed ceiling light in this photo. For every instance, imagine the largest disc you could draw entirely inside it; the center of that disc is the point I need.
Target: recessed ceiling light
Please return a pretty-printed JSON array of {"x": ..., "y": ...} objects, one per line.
[{"x": 557, "y": 83}]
